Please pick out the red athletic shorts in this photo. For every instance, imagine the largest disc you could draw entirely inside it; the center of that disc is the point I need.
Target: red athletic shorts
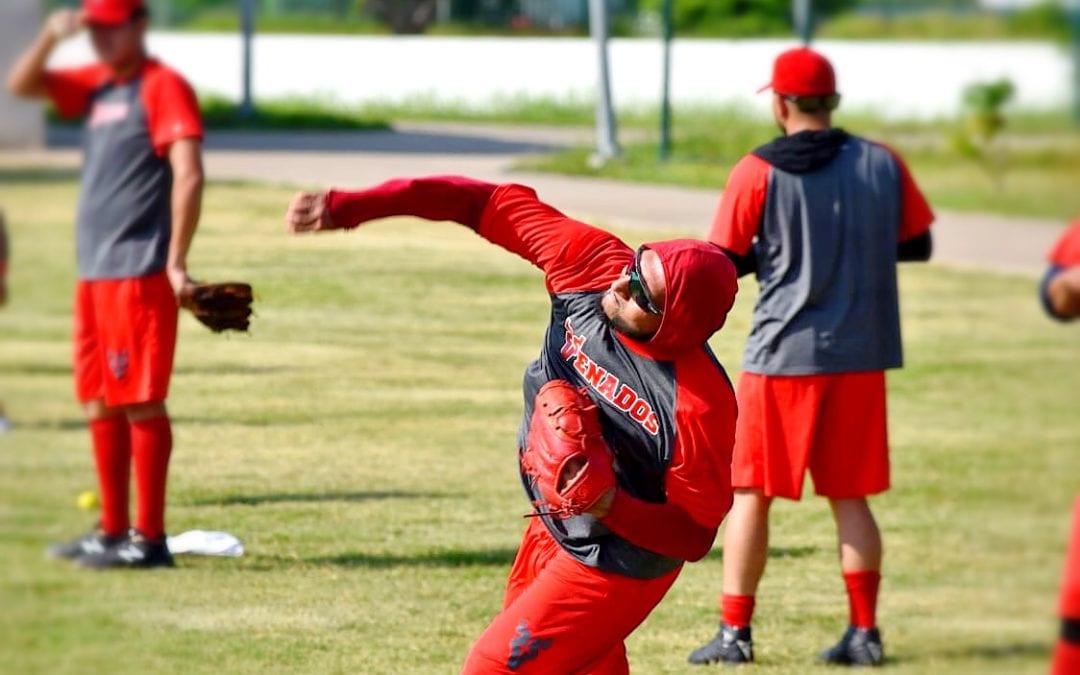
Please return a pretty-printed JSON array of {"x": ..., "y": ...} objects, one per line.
[
  {"x": 833, "y": 425},
  {"x": 125, "y": 336},
  {"x": 560, "y": 616}
]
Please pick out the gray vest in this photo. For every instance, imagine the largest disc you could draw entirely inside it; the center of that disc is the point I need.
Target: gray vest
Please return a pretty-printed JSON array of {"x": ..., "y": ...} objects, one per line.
[
  {"x": 123, "y": 220},
  {"x": 826, "y": 261}
]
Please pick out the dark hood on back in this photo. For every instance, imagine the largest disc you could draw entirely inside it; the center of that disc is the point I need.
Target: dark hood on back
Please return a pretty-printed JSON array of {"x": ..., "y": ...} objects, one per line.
[
  {"x": 805, "y": 151},
  {"x": 701, "y": 286}
]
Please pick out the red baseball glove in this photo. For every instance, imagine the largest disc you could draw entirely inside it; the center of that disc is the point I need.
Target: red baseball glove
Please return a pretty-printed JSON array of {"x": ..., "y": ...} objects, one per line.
[{"x": 565, "y": 451}]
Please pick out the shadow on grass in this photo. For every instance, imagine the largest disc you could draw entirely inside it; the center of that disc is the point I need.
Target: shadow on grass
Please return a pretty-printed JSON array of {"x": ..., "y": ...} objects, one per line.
[
  {"x": 63, "y": 424},
  {"x": 310, "y": 497},
  {"x": 774, "y": 552},
  {"x": 444, "y": 558},
  {"x": 37, "y": 176},
  {"x": 991, "y": 651},
  {"x": 268, "y": 420},
  {"x": 231, "y": 369},
  {"x": 36, "y": 369}
]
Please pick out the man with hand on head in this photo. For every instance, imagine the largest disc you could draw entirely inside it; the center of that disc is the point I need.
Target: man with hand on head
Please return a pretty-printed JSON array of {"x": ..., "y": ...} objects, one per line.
[
  {"x": 822, "y": 217},
  {"x": 625, "y": 444},
  {"x": 138, "y": 209}
]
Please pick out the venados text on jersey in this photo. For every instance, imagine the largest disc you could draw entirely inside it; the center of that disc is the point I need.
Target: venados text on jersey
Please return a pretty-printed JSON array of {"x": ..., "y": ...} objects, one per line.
[{"x": 606, "y": 384}]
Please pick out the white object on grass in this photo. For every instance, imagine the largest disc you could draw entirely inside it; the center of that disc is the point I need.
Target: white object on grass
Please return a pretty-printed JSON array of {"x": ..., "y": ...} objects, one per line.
[{"x": 206, "y": 542}]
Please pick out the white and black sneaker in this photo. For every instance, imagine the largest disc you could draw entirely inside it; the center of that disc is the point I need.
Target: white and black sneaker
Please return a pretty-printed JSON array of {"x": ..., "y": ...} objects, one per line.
[
  {"x": 858, "y": 647},
  {"x": 134, "y": 552},
  {"x": 93, "y": 542},
  {"x": 731, "y": 645}
]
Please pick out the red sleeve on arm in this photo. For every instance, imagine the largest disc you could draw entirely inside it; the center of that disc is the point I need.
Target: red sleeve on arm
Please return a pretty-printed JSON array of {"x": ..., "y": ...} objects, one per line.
[
  {"x": 454, "y": 198},
  {"x": 574, "y": 256},
  {"x": 915, "y": 213},
  {"x": 661, "y": 528},
  {"x": 698, "y": 481},
  {"x": 1066, "y": 252},
  {"x": 172, "y": 110},
  {"x": 738, "y": 215},
  {"x": 69, "y": 89}
]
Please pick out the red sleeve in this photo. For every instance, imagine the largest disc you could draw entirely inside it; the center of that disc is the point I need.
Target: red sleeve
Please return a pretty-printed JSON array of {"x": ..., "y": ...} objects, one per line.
[
  {"x": 699, "y": 476},
  {"x": 698, "y": 481},
  {"x": 454, "y": 198},
  {"x": 574, "y": 256},
  {"x": 172, "y": 110},
  {"x": 661, "y": 528},
  {"x": 738, "y": 216},
  {"x": 915, "y": 213},
  {"x": 1066, "y": 252},
  {"x": 69, "y": 89}
]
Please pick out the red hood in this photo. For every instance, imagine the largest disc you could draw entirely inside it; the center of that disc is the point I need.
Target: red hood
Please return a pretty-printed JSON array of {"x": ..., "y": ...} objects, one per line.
[{"x": 701, "y": 286}]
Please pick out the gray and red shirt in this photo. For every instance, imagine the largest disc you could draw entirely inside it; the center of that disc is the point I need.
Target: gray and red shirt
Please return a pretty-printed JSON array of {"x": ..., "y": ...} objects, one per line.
[
  {"x": 822, "y": 214},
  {"x": 124, "y": 214}
]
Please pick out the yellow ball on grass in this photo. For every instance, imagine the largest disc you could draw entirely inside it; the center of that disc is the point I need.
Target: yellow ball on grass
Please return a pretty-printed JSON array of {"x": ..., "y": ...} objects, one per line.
[{"x": 88, "y": 500}]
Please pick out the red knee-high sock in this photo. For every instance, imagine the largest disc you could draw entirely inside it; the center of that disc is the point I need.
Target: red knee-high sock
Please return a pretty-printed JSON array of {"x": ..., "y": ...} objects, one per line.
[
  {"x": 862, "y": 590},
  {"x": 151, "y": 445},
  {"x": 737, "y": 610},
  {"x": 1070, "y": 576},
  {"x": 112, "y": 456},
  {"x": 1066, "y": 660}
]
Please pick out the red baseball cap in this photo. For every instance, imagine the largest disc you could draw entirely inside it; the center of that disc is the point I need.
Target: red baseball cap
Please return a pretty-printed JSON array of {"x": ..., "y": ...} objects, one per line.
[
  {"x": 111, "y": 12},
  {"x": 802, "y": 72}
]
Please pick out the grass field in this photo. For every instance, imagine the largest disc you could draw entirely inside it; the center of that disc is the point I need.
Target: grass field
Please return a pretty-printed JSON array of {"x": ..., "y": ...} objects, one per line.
[{"x": 360, "y": 441}]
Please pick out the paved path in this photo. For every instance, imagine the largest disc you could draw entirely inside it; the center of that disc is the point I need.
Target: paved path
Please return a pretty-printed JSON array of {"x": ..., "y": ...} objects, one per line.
[{"x": 488, "y": 151}]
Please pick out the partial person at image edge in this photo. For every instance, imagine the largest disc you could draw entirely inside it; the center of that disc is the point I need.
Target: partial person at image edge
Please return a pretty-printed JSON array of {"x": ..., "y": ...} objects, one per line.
[{"x": 1060, "y": 287}]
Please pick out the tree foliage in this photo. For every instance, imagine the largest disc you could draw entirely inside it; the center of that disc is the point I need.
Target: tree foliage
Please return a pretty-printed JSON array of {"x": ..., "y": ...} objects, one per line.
[{"x": 740, "y": 17}]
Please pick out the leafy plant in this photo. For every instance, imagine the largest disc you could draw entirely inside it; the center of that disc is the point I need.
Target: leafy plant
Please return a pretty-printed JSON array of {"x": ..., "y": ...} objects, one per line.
[{"x": 983, "y": 119}]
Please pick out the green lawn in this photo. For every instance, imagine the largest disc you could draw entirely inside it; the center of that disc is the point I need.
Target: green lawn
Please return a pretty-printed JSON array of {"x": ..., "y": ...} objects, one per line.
[{"x": 360, "y": 441}]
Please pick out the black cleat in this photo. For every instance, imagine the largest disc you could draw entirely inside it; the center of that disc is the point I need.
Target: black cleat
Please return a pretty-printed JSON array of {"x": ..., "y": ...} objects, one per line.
[
  {"x": 93, "y": 542},
  {"x": 858, "y": 647},
  {"x": 133, "y": 552},
  {"x": 731, "y": 645}
]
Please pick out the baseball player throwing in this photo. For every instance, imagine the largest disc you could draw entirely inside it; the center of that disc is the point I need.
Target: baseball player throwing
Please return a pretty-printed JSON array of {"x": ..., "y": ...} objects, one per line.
[{"x": 625, "y": 443}]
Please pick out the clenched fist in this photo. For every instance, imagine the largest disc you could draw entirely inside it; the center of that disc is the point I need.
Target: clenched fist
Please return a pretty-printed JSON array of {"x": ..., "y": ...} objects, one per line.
[{"x": 307, "y": 213}]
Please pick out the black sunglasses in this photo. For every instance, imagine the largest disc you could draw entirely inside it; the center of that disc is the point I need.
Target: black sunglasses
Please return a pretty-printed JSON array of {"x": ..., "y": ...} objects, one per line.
[{"x": 639, "y": 292}]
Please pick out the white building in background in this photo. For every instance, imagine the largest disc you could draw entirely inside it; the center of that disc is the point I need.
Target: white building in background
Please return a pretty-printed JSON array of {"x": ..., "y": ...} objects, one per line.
[{"x": 899, "y": 79}]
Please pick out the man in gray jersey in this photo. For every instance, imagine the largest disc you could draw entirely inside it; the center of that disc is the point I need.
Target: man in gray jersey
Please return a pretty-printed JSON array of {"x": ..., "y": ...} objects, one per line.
[
  {"x": 138, "y": 208},
  {"x": 822, "y": 217}
]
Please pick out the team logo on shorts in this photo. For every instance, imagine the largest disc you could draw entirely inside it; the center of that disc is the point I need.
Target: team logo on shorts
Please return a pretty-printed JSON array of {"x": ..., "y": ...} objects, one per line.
[
  {"x": 524, "y": 647},
  {"x": 118, "y": 362}
]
